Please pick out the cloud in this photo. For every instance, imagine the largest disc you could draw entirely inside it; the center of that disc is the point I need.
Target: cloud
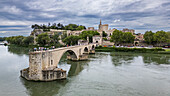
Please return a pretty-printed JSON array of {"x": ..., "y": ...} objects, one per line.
[
  {"x": 3, "y": 31},
  {"x": 117, "y": 20},
  {"x": 11, "y": 10}
]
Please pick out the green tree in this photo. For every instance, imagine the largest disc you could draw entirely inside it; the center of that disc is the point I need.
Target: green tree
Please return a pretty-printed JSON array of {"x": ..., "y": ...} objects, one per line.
[
  {"x": 43, "y": 39},
  {"x": 168, "y": 37},
  {"x": 117, "y": 36},
  {"x": 71, "y": 40},
  {"x": 104, "y": 34},
  {"x": 160, "y": 37},
  {"x": 74, "y": 27},
  {"x": 149, "y": 37},
  {"x": 28, "y": 40},
  {"x": 55, "y": 39},
  {"x": 63, "y": 36},
  {"x": 122, "y": 37},
  {"x": 80, "y": 27},
  {"x": 17, "y": 40},
  {"x": 128, "y": 37}
]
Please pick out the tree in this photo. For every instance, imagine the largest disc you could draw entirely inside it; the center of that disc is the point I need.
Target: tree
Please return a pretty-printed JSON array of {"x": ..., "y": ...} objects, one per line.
[
  {"x": 60, "y": 26},
  {"x": 117, "y": 36},
  {"x": 122, "y": 37},
  {"x": 168, "y": 37},
  {"x": 63, "y": 36},
  {"x": 55, "y": 39},
  {"x": 28, "y": 40},
  {"x": 17, "y": 40},
  {"x": 74, "y": 27},
  {"x": 160, "y": 37},
  {"x": 128, "y": 37},
  {"x": 71, "y": 40},
  {"x": 149, "y": 37},
  {"x": 43, "y": 39},
  {"x": 104, "y": 34}
]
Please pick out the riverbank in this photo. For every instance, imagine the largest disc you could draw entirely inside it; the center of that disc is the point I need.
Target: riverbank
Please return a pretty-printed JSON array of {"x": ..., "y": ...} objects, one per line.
[{"x": 136, "y": 50}]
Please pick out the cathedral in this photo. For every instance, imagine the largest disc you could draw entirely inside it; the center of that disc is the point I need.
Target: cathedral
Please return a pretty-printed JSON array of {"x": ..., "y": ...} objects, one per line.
[{"x": 105, "y": 28}]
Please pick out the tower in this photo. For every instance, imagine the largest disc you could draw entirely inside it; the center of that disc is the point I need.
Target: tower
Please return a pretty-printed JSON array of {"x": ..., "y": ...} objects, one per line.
[
  {"x": 100, "y": 26},
  {"x": 100, "y": 22}
]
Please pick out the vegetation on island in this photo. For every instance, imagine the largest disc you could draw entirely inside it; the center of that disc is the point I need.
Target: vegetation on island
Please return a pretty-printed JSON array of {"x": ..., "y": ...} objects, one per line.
[
  {"x": 72, "y": 27},
  {"x": 20, "y": 40}
]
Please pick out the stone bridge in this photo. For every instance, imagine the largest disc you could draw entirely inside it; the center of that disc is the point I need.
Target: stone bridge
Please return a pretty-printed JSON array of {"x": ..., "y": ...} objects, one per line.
[{"x": 43, "y": 65}]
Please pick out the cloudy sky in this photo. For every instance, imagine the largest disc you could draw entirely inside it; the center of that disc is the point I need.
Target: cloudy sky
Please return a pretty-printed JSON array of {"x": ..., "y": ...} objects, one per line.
[{"x": 17, "y": 16}]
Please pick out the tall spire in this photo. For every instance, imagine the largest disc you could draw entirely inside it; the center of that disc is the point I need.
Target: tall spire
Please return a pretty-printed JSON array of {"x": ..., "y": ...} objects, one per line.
[{"x": 100, "y": 22}]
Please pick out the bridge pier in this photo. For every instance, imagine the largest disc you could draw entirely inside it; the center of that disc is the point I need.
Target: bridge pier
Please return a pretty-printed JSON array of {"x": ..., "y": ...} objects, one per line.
[
  {"x": 92, "y": 51},
  {"x": 45, "y": 75}
]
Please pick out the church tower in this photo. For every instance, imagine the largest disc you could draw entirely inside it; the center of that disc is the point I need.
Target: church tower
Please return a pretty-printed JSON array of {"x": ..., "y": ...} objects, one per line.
[{"x": 100, "y": 26}]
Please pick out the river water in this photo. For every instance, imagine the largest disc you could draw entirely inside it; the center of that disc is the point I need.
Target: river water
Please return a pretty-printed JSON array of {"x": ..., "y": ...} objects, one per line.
[{"x": 104, "y": 74}]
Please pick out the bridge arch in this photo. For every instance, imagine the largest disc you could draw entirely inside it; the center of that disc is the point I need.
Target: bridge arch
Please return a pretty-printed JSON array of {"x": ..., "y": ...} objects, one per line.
[
  {"x": 86, "y": 49},
  {"x": 71, "y": 54},
  {"x": 93, "y": 47}
]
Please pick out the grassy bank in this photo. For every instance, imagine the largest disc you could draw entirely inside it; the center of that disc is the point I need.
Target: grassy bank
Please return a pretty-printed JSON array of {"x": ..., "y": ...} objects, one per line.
[
  {"x": 167, "y": 50},
  {"x": 139, "y": 50}
]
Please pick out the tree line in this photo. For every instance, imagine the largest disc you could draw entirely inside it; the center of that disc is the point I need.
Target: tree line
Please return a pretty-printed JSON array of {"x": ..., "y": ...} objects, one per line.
[
  {"x": 60, "y": 26},
  {"x": 157, "y": 38},
  {"x": 20, "y": 40}
]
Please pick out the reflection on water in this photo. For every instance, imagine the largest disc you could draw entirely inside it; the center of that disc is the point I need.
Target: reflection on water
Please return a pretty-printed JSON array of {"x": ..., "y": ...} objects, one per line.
[
  {"x": 156, "y": 58},
  {"x": 119, "y": 58},
  {"x": 43, "y": 88},
  {"x": 20, "y": 51},
  {"x": 76, "y": 67}
]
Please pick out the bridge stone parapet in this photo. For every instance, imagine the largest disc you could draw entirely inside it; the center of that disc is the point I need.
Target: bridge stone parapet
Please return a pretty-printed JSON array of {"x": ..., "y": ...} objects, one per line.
[{"x": 43, "y": 65}]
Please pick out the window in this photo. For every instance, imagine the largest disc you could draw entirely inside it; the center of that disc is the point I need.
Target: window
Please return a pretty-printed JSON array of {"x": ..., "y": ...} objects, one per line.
[{"x": 51, "y": 62}]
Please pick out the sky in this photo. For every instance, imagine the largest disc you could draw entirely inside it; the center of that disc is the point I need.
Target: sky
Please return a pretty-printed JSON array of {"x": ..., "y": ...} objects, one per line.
[{"x": 17, "y": 16}]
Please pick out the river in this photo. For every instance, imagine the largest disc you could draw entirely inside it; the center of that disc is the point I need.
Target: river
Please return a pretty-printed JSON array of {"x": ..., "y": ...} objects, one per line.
[{"x": 104, "y": 74}]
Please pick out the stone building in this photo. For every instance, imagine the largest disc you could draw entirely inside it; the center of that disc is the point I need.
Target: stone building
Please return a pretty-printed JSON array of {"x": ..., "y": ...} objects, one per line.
[
  {"x": 128, "y": 30},
  {"x": 82, "y": 42},
  {"x": 90, "y": 28},
  {"x": 105, "y": 28},
  {"x": 139, "y": 39},
  {"x": 98, "y": 39},
  {"x": 76, "y": 33}
]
